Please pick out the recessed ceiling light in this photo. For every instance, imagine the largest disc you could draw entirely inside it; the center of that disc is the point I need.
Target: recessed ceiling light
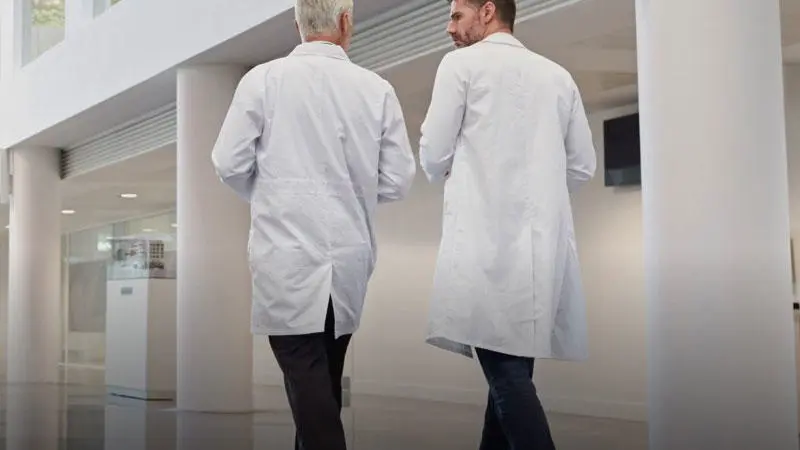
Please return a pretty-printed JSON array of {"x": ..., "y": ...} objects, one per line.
[
  {"x": 8, "y": 227},
  {"x": 68, "y": 212},
  {"x": 129, "y": 195},
  {"x": 147, "y": 230},
  {"x": 174, "y": 225}
]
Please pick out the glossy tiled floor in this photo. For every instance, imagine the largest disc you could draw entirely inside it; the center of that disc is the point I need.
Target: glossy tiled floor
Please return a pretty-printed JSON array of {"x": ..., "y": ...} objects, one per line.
[{"x": 83, "y": 418}]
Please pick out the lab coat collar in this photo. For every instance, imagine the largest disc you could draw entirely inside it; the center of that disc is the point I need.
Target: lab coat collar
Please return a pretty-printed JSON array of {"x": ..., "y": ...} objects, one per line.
[
  {"x": 503, "y": 38},
  {"x": 320, "y": 48}
]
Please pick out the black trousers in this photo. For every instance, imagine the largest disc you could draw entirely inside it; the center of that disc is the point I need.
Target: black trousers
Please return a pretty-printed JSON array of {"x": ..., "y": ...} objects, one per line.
[
  {"x": 312, "y": 367},
  {"x": 515, "y": 418}
]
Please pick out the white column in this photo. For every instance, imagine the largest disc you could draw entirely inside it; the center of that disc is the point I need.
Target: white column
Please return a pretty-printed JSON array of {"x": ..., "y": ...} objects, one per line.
[
  {"x": 215, "y": 347},
  {"x": 34, "y": 415},
  {"x": 716, "y": 223},
  {"x": 34, "y": 291}
]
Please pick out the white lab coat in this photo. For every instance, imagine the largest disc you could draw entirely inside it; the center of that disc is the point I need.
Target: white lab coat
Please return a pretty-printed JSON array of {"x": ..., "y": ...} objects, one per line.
[
  {"x": 508, "y": 132},
  {"x": 313, "y": 142}
]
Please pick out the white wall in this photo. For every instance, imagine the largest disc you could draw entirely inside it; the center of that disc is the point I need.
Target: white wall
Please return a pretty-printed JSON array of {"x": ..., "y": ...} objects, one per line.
[
  {"x": 390, "y": 358},
  {"x": 126, "y": 46},
  {"x": 792, "y": 83},
  {"x": 3, "y": 301},
  {"x": 608, "y": 224}
]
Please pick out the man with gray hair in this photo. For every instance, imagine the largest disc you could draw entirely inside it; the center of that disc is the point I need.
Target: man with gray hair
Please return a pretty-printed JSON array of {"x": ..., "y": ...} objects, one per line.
[{"x": 313, "y": 143}]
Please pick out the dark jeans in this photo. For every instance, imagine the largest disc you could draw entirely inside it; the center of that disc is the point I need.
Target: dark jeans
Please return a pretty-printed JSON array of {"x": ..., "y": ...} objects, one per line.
[
  {"x": 515, "y": 418},
  {"x": 312, "y": 367}
]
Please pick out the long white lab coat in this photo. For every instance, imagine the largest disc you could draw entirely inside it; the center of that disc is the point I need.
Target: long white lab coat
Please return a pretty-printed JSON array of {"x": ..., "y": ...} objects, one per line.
[
  {"x": 508, "y": 132},
  {"x": 313, "y": 142}
]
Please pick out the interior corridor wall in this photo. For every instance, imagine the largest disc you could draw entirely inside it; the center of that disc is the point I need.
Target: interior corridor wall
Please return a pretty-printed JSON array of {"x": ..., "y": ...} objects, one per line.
[
  {"x": 608, "y": 226},
  {"x": 792, "y": 85},
  {"x": 390, "y": 358},
  {"x": 792, "y": 75},
  {"x": 3, "y": 302}
]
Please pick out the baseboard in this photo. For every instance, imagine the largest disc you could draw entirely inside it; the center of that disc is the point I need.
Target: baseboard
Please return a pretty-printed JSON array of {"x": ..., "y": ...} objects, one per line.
[
  {"x": 564, "y": 405},
  {"x": 606, "y": 409},
  {"x": 415, "y": 392},
  {"x": 269, "y": 380},
  {"x": 141, "y": 394}
]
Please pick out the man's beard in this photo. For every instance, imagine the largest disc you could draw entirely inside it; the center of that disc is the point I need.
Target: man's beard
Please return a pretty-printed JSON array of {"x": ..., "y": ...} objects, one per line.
[
  {"x": 465, "y": 43},
  {"x": 470, "y": 38}
]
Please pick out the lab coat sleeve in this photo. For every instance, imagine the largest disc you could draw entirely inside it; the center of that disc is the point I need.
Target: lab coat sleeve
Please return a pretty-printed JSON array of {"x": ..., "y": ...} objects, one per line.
[
  {"x": 581, "y": 156},
  {"x": 234, "y": 154},
  {"x": 396, "y": 165},
  {"x": 443, "y": 122}
]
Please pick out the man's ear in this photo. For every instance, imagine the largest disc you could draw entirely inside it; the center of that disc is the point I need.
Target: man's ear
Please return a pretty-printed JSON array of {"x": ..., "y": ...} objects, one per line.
[
  {"x": 488, "y": 12},
  {"x": 345, "y": 22}
]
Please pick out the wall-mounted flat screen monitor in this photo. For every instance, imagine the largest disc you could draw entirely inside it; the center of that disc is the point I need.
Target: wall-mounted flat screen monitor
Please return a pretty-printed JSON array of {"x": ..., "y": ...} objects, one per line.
[{"x": 623, "y": 165}]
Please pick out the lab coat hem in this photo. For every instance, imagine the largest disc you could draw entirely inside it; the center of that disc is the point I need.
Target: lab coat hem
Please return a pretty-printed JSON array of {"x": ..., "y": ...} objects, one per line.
[
  {"x": 450, "y": 345},
  {"x": 267, "y": 331},
  {"x": 465, "y": 347}
]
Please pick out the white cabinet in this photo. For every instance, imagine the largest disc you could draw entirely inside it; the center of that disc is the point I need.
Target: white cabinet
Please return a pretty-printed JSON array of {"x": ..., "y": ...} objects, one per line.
[
  {"x": 141, "y": 322},
  {"x": 141, "y": 339}
]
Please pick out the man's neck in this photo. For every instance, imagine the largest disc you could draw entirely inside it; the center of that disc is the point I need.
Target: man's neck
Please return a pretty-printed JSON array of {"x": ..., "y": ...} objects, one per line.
[
  {"x": 324, "y": 39},
  {"x": 497, "y": 29}
]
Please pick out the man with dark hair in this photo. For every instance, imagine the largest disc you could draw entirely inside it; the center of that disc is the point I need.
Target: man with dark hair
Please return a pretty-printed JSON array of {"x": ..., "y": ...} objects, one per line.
[
  {"x": 504, "y": 10},
  {"x": 507, "y": 131}
]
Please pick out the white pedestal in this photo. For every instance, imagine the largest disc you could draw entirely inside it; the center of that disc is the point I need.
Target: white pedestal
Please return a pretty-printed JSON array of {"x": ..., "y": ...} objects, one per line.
[{"x": 141, "y": 339}]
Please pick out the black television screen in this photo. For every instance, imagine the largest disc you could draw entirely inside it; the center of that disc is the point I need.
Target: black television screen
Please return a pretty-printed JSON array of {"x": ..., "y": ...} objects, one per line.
[{"x": 622, "y": 151}]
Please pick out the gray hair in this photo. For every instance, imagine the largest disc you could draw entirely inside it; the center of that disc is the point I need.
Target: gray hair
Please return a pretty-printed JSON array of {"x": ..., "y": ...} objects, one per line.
[{"x": 315, "y": 17}]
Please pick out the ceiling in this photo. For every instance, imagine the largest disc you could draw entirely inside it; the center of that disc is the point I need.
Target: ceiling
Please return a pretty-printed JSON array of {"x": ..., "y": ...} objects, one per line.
[
  {"x": 594, "y": 39},
  {"x": 271, "y": 39},
  {"x": 598, "y": 48},
  {"x": 95, "y": 196}
]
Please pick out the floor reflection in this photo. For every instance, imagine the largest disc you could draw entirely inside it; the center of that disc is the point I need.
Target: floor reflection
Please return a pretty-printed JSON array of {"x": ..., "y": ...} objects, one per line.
[{"x": 84, "y": 418}]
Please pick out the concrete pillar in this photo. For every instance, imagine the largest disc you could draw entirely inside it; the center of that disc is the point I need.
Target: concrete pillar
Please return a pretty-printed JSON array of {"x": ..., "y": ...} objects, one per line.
[
  {"x": 215, "y": 347},
  {"x": 716, "y": 225},
  {"x": 34, "y": 294}
]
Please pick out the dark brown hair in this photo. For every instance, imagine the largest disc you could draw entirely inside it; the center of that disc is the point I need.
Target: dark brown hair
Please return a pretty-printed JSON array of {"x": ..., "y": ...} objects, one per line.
[{"x": 506, "y": 10}]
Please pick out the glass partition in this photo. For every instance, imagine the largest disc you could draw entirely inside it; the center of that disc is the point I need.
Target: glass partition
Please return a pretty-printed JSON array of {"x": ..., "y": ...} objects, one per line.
[
  {"x": 86, "y": 295},
  {"x": 87, "y": 256},
  {"x": 101, "y": 6},
  {"x": 47, "y": 25}
]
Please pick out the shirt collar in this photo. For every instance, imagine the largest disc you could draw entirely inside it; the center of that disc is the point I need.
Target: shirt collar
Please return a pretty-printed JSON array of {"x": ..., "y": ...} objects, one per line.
[
  {"x": 503, "y": 38},
  {"x": 320, "y": 48}
]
